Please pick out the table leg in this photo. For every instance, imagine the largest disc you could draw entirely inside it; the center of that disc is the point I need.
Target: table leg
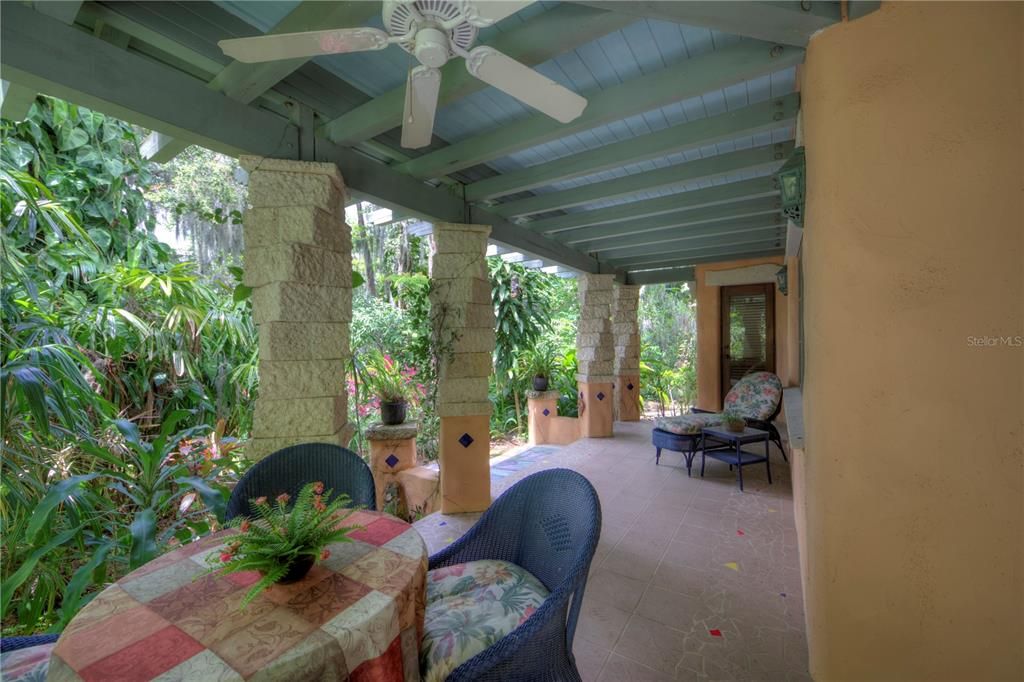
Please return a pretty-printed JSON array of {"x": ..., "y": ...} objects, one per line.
[
  {"x": 739, "y": 464},
  {"x": 767, "y": 461},
  {"x": 657, "y": 456}
]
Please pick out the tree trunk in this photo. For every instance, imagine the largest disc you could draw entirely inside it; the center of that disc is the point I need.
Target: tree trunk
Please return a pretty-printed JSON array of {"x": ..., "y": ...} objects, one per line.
[{"x": 371, "y": 280}]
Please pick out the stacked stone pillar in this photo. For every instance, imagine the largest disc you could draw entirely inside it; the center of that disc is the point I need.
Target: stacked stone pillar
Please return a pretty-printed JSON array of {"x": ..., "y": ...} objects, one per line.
[
  {"x": 595, "y": 355},
  {"x": 626, "y": 330},
  {"x": 298, "y": 261},
  {"x": 462, "y": 320}
]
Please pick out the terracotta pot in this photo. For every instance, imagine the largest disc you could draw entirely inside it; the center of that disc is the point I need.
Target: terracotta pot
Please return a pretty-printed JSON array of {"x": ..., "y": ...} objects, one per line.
[
  {"x": 297, "y": 571},
  {"x": 540, "y": 383},
  {"x": 393, "y": 413}
]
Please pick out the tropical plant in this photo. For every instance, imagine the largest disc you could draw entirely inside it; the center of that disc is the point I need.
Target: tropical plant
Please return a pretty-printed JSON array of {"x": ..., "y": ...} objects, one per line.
[
  {"x": 539, "y": 361},
  {"x": 109, "y": 343},
  {"x": 281, "y": 537}
]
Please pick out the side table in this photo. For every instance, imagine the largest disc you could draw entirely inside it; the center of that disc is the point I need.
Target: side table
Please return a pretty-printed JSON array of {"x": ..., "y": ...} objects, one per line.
[{"x": 730, "y": 449}]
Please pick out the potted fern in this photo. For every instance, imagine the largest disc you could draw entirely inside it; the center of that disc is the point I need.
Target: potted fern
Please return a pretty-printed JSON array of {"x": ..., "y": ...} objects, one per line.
[
  {"x": 283, "y": 543},
  {"x": 540, "y": 363}
]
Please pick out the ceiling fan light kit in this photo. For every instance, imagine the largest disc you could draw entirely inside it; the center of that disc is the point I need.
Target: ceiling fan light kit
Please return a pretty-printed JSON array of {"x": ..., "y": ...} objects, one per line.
[{"x": 433, "y": 31}]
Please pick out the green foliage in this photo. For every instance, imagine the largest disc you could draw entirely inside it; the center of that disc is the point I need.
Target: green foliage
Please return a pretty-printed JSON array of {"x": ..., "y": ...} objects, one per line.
[
  {"x": 668, "y": 352},
  {"x": 384, "y": 378},
  {"x": 279, "y": 536},
  {"x": 108, "y": 344}
]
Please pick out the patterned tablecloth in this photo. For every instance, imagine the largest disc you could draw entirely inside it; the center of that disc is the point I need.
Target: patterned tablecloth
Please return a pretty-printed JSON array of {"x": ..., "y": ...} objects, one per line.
[{"x": 358, "y": 615}]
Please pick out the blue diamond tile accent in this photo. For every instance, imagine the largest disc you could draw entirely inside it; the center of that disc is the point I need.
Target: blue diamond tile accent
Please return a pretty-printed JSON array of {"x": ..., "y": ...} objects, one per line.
[
  {"x": 391, "y": 461},
  {"x": 600, "y": 396},
  {"x": 546, "y": 412},
  {"x": 629, "y": 387},
  {"x": 466, "y": 440}
]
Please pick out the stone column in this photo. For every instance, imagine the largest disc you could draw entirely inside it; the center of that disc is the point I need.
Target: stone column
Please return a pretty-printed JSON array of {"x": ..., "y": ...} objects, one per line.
[
  {"x": 626, "y": 330},
  {"x": 462, "y": 318},
  {"x": 595, "y": 355},
  {"x": 298, "y": 261}
]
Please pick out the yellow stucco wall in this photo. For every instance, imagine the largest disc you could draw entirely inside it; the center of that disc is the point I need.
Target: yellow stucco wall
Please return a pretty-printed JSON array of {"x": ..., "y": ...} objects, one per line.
[
  {"x": 913, "y": 123},
  {"x": 709, "y": 332}
]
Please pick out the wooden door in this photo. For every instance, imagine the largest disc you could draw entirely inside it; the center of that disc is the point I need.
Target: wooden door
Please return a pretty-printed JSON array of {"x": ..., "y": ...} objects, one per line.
[{"x": 748, "y": 332}]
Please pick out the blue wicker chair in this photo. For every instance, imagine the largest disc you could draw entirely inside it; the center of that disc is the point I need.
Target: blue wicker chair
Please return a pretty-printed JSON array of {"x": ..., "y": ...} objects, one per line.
[
  {"x": 15, "y": 643},
  {"x": 287, "y": 470},
  {"x": 548, "y": 524}
]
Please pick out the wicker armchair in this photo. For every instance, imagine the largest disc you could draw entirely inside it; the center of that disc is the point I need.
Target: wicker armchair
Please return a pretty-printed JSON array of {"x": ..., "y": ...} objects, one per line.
[
  {"x": 15, "y": 643},
  {"x": 287, "y": 470},
  {"x": 548, "y": 524}
]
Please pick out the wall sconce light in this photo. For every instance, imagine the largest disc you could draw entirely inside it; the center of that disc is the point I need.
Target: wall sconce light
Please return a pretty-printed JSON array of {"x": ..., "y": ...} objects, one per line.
[
  {"x": 793, "y": 185},
  {"x": 782, "y": 278}
]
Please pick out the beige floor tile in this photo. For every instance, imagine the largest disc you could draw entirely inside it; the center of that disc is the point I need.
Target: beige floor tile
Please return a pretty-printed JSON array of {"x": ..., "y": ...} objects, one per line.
[
  {"x": 619, "y": 591},
  {"x": 601, "y": 623},
  {"x": 659, "y": 647},
  {"x": 590, "y": 658},
  {"x": 621, "y": 669}
]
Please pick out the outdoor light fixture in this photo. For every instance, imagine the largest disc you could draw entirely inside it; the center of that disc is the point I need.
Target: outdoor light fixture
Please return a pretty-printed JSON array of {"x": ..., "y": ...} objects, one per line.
[
  {"x": 792, "y": 185},
  {"x": 782, "y": 278}
]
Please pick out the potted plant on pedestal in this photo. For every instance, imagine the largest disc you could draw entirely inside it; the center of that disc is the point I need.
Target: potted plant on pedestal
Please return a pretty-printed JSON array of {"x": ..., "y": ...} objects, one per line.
[
  {"x": 384, "y": 378},
  {"x": 540, "y": 363},
  {"x": 282, "y": 543}
]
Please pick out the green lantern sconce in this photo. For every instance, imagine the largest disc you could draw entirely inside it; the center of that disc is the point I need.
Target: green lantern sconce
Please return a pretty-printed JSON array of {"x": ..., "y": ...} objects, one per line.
[{"x": 792, "y": 185}]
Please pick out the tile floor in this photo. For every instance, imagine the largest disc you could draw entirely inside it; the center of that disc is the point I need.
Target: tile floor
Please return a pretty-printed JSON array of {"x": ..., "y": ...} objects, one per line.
[{"x": 692, "y": 579}]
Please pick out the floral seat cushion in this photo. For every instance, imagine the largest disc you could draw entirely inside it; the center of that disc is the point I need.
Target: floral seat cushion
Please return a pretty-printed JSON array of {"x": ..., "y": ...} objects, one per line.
[
  {"x": 470, "y": 607},
  {"x": 755, "y": 396},
  {"x": 686, "y": 424},
  {"x": 26, "y": 665}
]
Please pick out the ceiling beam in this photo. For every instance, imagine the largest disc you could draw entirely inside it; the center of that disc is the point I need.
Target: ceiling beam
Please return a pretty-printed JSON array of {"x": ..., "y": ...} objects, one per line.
[
  {"x": 38, "y": 52},
  {"x": 759, "y": 158},
  {"x": 591, "y": 236},
  {"x": 700, "y": 255},
  {"x": 663, "y": 276},
  {"x": 245, "y": 82},
  {"x": 711, "y": 196},
  {"x": 532, "y": 42},
  {"x": 723, "y": 257},
  {"x": 757, "y": 118},
  {"x": 789, "y": 23},
  {"x": 742, "y": 61},
  {"x": 16, "y": 100},
  {"x": 660, "y": 238},
  {"x": 749, "y": 230}
]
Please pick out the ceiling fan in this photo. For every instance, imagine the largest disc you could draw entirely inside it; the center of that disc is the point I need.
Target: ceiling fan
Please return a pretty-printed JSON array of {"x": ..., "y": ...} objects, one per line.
[{"x": 433, "y": 31}]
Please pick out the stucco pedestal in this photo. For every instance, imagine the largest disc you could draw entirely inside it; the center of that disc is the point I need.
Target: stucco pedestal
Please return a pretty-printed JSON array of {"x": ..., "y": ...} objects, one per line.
[
  {"x": 596, "y": 401},
  {"x": 392, "y": 450},
  {"x": 627, "y": 390}
]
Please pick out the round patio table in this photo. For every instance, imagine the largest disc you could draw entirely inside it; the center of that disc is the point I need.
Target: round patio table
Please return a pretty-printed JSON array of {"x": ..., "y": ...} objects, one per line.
[{"x": 357, "y": 615}]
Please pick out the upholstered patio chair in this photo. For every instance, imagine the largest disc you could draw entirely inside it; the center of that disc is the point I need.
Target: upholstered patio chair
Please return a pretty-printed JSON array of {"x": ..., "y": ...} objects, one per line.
[
  {"x": 503, "y": 600},
  {"x": 758, "y": 398},
  {"x": 289, "y": 469},
  {"x": 26, "y": 659}
]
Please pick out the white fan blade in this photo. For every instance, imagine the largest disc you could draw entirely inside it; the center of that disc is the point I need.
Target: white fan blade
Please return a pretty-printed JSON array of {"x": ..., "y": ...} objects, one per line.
[
  {"x": 484, "y": 13},
  {"x": 421, "y": 90},
  {"x": 271, "y": 48},
  {"x": 525, "y": 84}
]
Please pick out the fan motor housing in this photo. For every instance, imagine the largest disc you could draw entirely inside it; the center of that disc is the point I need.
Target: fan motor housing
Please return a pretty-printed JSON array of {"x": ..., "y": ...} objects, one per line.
[{"x": 399, "y": 21}]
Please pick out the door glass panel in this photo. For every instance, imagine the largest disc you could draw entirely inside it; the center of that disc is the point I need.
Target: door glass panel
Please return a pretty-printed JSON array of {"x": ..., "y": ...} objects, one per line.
[{"x": 748, "y": 334}]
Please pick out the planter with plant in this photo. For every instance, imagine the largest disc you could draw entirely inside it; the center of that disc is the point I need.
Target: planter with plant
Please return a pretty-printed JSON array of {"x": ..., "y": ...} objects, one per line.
[
  {"x": 282, "y": 543},
  {"x": 389, "y": 385},
  {"x": 540, "y": 363},
  {"x": 734, "y": 421}
]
